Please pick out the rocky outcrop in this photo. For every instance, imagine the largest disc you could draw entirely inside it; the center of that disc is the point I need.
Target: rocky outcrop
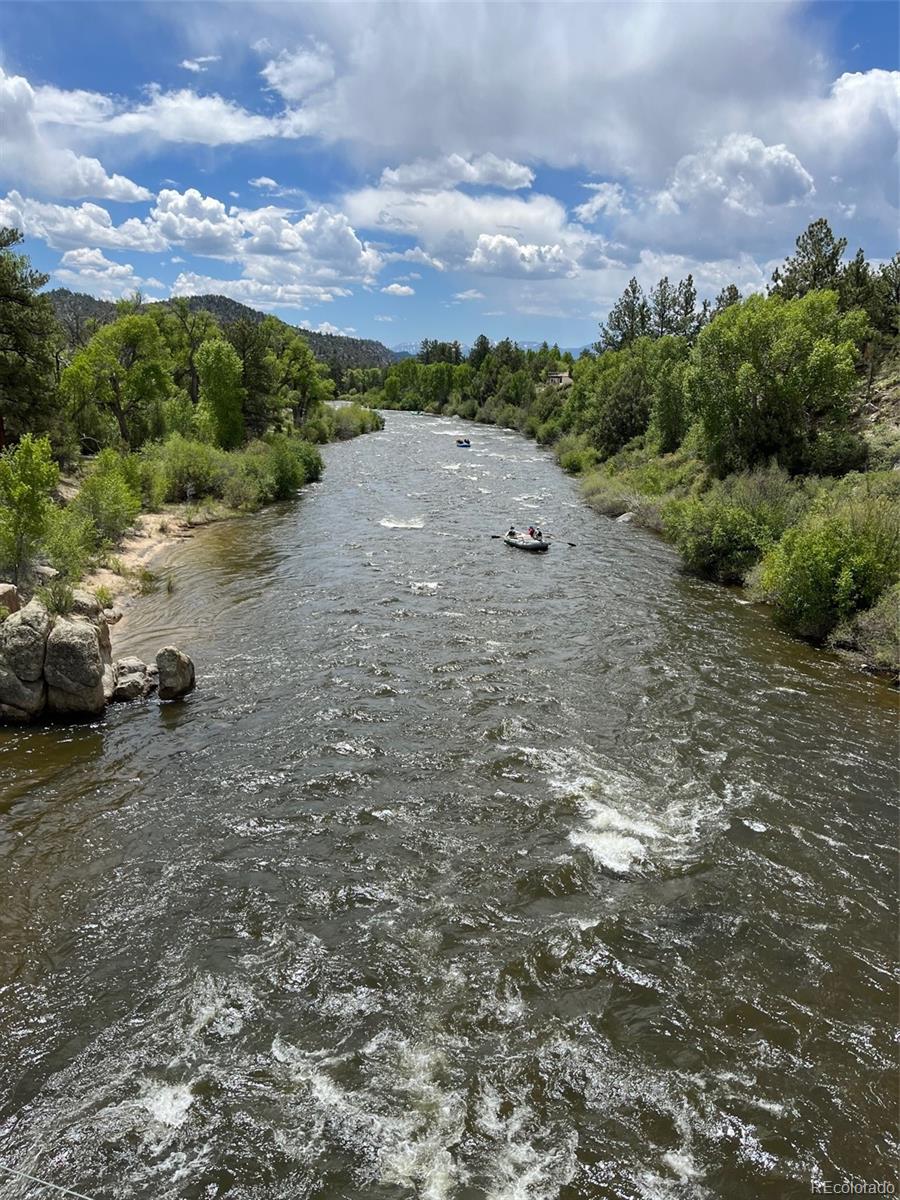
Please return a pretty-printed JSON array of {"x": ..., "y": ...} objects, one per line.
[
  {"x": 74, "y": 668},
  {"x": 63, "y": 665},
  {"x": 176, "y": 673}
]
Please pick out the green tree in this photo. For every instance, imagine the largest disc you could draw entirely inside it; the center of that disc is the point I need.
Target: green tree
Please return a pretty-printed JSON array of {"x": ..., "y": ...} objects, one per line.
[
  {"x": 628, "y": 320},
  {"x": 669, "y": 417},
  {"x": 481, "y": 348},
  {"x": 769, "y": 377},
  {"x": 221, "y": 395},
  {"x": 663, "y": 308},
  {"x": 815, "y": 266},
  {"x": 250, "y": 340},
  {"x": 28, "y": 476},
  {"x": 729, "y": 295},
  {"x": 123, "y": 371},
  {"x": 27, "y": 335},
  {"x": 185, "y": 330},
  {"x": 303, "y": 383}
]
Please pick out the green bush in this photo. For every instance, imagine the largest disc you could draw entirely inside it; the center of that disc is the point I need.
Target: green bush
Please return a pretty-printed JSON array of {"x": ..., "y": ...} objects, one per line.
[
  {"x": 836, "y": 562},
  {"x": 574, "y": 455},
  {"x": 715, "y": 538},
  {"x": 192, "y": 468},
  {"x": 69, "y": 541},
  {"x": 104, "y": 596},
  {"x": 875, "y": 632},
  {"x": 57, "y": 597},
  {"x": 28, "y": 475},
  {"x": 106, "y": 498}
]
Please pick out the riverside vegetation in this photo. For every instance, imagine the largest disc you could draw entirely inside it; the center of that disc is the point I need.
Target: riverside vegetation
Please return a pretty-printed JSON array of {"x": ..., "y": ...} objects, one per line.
[
  {"x": 761, "y": 434},
  {"x": 171, "y": 406}
]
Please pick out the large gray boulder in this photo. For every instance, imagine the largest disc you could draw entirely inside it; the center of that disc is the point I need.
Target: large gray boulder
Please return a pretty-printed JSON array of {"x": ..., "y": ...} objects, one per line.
[
  {"x": 74, "y": 668},
  {"x": 9, "y": 597},
  {"x": 176, "y": 673},
  {"x": 20, "y": 699},
  {"x": 23, "y": 640}
]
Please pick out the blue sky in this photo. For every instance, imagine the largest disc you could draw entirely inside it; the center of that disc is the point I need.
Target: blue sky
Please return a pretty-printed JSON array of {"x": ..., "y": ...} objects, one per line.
[{"x": 417, "y": 170}]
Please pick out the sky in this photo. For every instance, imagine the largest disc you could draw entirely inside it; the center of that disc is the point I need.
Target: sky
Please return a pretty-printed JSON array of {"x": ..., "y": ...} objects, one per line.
[{"x": 401, "y": 171}]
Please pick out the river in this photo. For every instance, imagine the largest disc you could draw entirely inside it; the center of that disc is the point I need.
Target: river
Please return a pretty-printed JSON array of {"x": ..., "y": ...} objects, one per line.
[{"x": 465, "y": 874}]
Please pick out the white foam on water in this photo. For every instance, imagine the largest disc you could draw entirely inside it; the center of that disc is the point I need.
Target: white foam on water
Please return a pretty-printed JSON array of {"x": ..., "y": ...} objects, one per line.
[
  {"x": 756, "y": 826},
  {"x": 218, "y": 1007},
  {"x": 167, "y": 1103},
  {"x": 628, "y": 824},
  {"x": 423, "y": 587},
  {"x": 518, "y": 1170},
  {"x": 450, "y": 466},
  {"x": 413, "y": 1145},
  {"x": 396, "y": 523}
]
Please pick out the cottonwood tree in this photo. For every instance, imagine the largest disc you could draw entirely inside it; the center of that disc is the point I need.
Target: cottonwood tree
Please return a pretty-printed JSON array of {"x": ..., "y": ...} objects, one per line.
[
  {"x": 769, "y": 377},
  {"x": 221, "y": 395},
  {"x": 123, "y": 373}
]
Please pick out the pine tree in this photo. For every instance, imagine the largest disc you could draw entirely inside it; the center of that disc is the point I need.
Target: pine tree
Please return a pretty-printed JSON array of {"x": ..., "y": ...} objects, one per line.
[
  {"x": 27, "y": 334},
  {"x": 628, "y": 319},
  {"x": 816, "y": 264}
]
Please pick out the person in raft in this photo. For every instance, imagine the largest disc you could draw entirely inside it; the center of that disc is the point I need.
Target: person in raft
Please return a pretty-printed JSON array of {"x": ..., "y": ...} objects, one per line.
[
  {"x": 531, "y": 531},
  {"x": 511, "y": 532}
]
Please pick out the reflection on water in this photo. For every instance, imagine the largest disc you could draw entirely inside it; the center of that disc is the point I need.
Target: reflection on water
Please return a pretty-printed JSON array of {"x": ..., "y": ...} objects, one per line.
[{"x": 463, "y": 874}]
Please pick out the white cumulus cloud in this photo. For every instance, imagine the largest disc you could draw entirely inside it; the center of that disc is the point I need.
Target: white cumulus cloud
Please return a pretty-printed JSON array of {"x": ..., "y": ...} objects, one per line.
[
  {"x": 399, "y": 289},
  {"x": 33, "y": 157}
]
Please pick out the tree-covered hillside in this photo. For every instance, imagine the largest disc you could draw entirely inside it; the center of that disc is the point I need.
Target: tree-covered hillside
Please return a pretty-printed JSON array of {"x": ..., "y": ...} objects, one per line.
[{"x": 74, "y": 310}]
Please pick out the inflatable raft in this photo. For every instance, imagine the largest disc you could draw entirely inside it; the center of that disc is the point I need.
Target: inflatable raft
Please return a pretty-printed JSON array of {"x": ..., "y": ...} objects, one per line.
[{"x": 523, "y": 542}]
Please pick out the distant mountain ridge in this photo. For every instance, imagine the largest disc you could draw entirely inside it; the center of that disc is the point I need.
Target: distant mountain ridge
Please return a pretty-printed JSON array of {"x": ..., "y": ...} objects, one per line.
[{"x": 329, "y": 347}]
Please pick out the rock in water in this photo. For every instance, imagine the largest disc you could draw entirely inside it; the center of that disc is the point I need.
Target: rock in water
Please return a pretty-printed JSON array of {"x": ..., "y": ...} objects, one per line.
[
  {"x": 134, "y": 679},
  {"x": 77, "y": 681},
  {"x": 176, "y": 673}
]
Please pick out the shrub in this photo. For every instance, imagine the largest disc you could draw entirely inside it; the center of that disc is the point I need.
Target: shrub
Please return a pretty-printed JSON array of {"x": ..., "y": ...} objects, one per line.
[
  {"x": 69, "y": 541},
  {"x": 57, "y": 597},
  {"x": 715, "y": 538},
  {"x": 192, "y": 468},
  {"x": 574, "y": 455},
  {"x": 837, "y": 561},
  {"x": 104, "y": 596},
  {"x": 876, "y": 631},
  {"x": 242, "y": 492},
  {"x": 106, "y": 498},
  {"x": 28, "y": 475},
  {"x": 146, "y": 477},
  {"x": 607, "y": 495}
]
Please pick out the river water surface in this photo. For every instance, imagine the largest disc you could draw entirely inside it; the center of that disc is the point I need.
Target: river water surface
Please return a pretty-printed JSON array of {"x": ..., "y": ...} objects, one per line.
[{"x": 465, "y": 874}]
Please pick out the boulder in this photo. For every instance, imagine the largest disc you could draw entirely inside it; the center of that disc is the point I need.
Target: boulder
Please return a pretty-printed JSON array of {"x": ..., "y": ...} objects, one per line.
[
  {"x": 9, "y": 597},
  {"x": 176, "y": 673},
  {"x": 20, "y": 699},
  {"x": 134, "y": 679},
  {"x": 84, "y": 604},
  {"x": 23, "y": 641},
  {"x": 74, "y": 668},
  {"x": 625, "y": 519},
  {"x": 112, "y": 616}
]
